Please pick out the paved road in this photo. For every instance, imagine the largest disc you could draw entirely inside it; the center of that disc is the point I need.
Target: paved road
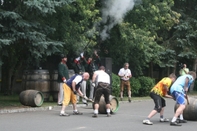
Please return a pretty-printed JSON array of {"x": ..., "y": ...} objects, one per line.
[{"x": 129, "y": 117}]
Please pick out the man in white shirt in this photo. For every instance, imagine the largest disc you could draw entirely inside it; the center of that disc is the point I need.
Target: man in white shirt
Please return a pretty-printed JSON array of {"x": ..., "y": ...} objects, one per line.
[
  {"x": 125, "y": 74},
  {"x": 102, "y": 88}
]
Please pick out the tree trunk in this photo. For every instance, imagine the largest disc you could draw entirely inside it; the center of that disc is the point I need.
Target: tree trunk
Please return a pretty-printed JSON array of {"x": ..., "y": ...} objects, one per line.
[
  {"x": 194, "y": 69},
  {"x": 194, "y": 65},
  {"x": 9, "y": 72},
  {"x": 151, "y": 69},
  {"x": 5, "y": 80}
]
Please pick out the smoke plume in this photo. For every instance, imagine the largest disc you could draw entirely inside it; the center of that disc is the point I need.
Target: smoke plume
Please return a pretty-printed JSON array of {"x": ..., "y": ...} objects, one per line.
[{"x": 113, "y": 13}]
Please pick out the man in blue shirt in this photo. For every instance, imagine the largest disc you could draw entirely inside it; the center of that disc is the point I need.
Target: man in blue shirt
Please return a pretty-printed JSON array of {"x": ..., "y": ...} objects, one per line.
[
  {"x": 71, "y": 89},
  {"x": 179, "y": 91}
]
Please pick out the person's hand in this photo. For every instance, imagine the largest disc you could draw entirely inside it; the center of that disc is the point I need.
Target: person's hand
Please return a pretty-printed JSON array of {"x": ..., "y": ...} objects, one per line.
[
  {"x": 174, "y": 98},
  {"x": 95, "y": 52},
  {"x": 85, "y": 97},
  {"x": 93, "y": 84},
  {"x": 75, "y": 92},
  {"x": 82, "y": 54}
]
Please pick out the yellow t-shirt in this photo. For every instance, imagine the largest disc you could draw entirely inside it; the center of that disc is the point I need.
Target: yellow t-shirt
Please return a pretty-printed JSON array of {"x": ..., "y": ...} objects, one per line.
[{"x": 159, "y": 87}]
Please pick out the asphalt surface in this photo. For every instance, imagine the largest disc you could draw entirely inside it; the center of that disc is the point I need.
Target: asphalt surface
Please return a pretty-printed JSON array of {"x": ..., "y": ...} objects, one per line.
[{"x": 128, "y": 117}]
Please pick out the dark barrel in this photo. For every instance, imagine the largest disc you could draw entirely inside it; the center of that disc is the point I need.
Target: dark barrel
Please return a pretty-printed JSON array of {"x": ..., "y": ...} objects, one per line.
[
  {"x": 55, "y": 85},
  {"x": 37, "y": 80},
  {"x": 113, "y": 102},
  {"x": 32, "y": 98},
  {"x": 190, "y": 111}
]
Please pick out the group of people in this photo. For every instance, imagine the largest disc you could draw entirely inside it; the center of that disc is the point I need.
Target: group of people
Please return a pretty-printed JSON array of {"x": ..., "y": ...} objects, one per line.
[
  {"x": 178, "y": 88},
  {"x": 81, "y": 65},
  {"x": 89, "y": 65},
  {"x": 169, "y": 87},
  {"x": 70, "y": 88}
]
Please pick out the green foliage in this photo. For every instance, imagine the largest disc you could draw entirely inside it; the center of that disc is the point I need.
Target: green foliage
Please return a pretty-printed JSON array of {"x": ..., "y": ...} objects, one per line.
[
  {"x": 184, "y": 36},
  {"x": 115, "y": 85},
  {"x": 140, "y": 86},
  {"x": 27, "y": 31},
  {"x": 147, "y": 84},
  {"x": 74, "y": 25},
  {"x": 136, "y": 39},
  {"x": 135, "y": 86}
]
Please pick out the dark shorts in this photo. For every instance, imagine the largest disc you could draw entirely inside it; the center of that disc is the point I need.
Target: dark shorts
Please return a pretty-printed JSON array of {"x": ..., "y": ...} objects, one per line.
[
  {"x": 105, "y": 91},
  {"x": 158, "y": 100}
]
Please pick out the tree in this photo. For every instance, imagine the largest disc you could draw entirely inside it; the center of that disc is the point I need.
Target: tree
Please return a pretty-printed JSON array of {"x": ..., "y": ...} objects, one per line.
[
  {"x": 184, "y": 35},
  {"x": 24, "y": 36},
  {"x": 74, "y": 25},
  {"x": 138, "y": 38}
]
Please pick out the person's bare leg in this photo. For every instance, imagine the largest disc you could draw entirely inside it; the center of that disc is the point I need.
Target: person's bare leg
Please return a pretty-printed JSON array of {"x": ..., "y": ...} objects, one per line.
[
  {"x": 152, "y": 113},
  {"x": 178, "y": 112},
  {"x": 96, "y": 107}
]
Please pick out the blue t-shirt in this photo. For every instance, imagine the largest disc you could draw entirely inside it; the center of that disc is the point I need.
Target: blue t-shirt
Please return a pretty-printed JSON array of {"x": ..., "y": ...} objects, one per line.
[
  {"x": 69, "y": 82},
  {"x": 179, "y": 84}
]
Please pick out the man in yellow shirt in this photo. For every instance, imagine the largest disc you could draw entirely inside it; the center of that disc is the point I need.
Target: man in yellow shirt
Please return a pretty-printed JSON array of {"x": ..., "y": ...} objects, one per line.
[{"x": 157, "y": 93}]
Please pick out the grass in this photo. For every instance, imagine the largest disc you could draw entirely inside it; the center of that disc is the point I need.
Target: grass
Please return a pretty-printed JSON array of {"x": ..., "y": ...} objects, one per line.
[{"x": 12, "y": 101}]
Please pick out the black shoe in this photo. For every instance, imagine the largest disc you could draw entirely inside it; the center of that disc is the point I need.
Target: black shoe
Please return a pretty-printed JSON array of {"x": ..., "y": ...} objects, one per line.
[
  {"x": 95, "y": 115},
  {"x": 77, "y": 113},
  {"x": 85, "y": 103},
  {"x": 59, "y": 104},
  {"x": 181, "y": 121},
  {"x": 129, "y": 99},
  {"x": 108, "y": 115},
  {"x": 175, "y": 124}
]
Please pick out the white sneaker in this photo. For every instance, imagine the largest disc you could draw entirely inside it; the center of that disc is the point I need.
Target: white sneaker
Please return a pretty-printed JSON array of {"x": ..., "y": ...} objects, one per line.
[
  {"x": 84, "y": 101},
  {"x": 64, "y": 114},
  {"x": 164, "y": 120},
  {"x": 147, "y": 122}
]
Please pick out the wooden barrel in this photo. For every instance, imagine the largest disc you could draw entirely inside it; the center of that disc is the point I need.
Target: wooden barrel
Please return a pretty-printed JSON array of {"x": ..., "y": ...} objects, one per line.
[
  {"x": 37, "y": 80},
  {"x": 113, "y": 102},
  {"x": 190, "y": 111},
  {"x": 55, "y": 85},
  {"x": 32, "y": 98}
]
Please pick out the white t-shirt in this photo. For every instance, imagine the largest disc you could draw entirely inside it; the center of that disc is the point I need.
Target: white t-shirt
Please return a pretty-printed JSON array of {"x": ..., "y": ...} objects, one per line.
[
  {"x": 78, "y": 79},
  {"x": 125, "y": 73},
  {"x": 102, "y": 76}
]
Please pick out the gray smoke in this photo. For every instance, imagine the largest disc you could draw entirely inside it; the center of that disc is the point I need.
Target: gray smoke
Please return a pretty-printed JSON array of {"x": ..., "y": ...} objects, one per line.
[{"x": 113, "y": 13}]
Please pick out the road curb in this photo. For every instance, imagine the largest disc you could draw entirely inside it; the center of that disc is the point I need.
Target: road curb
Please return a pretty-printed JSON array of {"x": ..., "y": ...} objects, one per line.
[{"x": 19, "y": 110}]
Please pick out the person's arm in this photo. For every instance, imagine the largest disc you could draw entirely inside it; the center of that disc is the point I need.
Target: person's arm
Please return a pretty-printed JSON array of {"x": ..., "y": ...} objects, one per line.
[
  {"x": 74, "y": 87},
  {"x": 120, "y": 74},
  {"x": 186, "y": 85},
  {"x": 94, "y": 77},
  {"x": 80, "y": 93},
  {"x": 168, "y": 96},
  {"x": 186, "y": 70},
  {"x": 165, "y": 87},
  {"x": 130, "y": 75},
  {"x": 60, "y": 72},
  {"x": 180, "y": 72}
]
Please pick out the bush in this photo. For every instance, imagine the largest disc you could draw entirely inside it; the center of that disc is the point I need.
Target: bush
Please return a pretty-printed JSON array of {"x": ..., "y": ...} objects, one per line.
[
  {"x": 115, "y": 85},
  {"x": 140, "y": 86},
  {"x": 135, "y": 86},
  {"x": 147, "y": 84}
]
